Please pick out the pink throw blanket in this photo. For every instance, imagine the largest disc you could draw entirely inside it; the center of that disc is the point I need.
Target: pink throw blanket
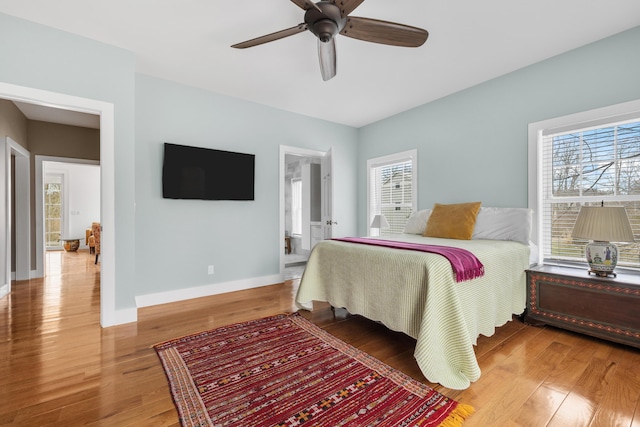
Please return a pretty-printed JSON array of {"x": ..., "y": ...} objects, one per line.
[{"x": 465, "y": 264}]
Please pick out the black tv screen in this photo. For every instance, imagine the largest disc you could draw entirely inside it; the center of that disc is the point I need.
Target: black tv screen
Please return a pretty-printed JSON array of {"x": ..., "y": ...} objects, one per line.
[{"x": 207, "y": 174}]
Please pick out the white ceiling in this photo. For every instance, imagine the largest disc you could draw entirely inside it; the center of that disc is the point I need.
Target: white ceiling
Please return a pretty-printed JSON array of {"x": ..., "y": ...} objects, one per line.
[{"x": 188, "y": 41}]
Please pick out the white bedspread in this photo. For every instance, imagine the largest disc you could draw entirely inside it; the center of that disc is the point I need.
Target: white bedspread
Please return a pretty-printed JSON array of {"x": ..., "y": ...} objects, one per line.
[{"x": 416, "y": 293}]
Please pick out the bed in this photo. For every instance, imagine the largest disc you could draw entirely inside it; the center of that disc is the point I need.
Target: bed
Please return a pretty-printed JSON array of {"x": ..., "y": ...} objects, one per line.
[{"x": 417, "y": 293}]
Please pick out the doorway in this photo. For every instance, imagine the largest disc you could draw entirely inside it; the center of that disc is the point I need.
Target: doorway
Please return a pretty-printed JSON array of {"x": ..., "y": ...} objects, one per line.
[
  {"x": 305, "y": 206},
  {"x": 108, "y": 313},
  {"x": 71, "y": 199}
]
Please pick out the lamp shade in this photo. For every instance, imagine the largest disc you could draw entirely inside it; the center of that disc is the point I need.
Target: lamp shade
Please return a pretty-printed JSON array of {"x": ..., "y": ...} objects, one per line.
[
  {"x": 603, "y": 223},
  {"x": 379, "y": 221}
]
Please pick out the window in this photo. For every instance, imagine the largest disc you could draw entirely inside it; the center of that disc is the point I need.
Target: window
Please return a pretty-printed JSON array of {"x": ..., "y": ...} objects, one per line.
[
  {"x": 586, "y": 164},
  {"x": 53, "y": 214},
  {"x": 296, "y": 206},
  {"x": 392, "y": 190}
]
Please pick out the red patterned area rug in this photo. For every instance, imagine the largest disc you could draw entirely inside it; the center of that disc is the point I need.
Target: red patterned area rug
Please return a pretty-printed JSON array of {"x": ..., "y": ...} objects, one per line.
[{"x": 285, "y": 371}]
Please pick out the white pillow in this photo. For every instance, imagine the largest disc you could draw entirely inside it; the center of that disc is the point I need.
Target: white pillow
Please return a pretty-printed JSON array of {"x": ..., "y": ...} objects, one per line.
[
  {"x": 503, "y": 224},
  {"x": 417, "y": 222}
]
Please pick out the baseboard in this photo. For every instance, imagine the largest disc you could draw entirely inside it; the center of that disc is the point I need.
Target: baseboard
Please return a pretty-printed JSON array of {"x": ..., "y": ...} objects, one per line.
[
  {"x": 205, "y": 291},
  {"x": 4, "y": 290},
  {"x": 119, "y": 317}
]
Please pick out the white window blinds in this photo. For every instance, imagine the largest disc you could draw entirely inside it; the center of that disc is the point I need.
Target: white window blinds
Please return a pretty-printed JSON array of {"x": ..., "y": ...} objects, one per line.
[
  {"x": 588, "y": 166},
  {"x": 392, "y": 189}
]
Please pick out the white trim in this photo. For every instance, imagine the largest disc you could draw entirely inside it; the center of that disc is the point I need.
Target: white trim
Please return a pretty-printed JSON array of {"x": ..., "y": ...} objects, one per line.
[
  {"x": 205, "y": 291},
  {"x": 535, "y": 134},
  {"x": 126, "y": 315},
  {"x": 392, "y": 158},
  {"x": 64, "y": 203},
  {"x": 296, "y": 206},
  {"x": 108, "y": 314},
  {"x": 22, "y": 210},
  {"x": 5, "y": 217}
]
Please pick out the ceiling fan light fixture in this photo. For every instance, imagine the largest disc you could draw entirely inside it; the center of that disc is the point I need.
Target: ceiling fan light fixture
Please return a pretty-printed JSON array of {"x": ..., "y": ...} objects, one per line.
[
  {"x": 327, "y": 56},
  {"x": 325, "y": 29}
]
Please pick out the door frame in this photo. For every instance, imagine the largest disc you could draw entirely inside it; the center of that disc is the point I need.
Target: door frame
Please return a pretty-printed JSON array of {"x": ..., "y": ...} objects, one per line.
[
  {"x": 17, "y": 179},
  {"x": 297, "y": 151},
  {"x": 108, "y": 312}
]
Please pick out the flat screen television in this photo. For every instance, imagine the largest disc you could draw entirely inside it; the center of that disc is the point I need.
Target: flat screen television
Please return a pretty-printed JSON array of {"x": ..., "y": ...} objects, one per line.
[{"x": 207, "y": 174}]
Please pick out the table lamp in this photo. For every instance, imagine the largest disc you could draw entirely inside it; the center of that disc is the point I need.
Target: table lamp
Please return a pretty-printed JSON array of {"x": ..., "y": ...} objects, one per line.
[
  {"x": 602, "y": 225},
  {"x": 379, "y": 222}
]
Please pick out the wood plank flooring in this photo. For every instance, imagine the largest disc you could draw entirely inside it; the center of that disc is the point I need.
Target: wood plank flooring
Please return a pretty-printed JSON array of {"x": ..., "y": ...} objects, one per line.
[{"x": 59, "y": 368}]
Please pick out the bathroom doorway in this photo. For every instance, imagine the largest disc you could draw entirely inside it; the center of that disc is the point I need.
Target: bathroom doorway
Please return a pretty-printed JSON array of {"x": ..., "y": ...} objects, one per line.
[{"x": 306, "y": 194}]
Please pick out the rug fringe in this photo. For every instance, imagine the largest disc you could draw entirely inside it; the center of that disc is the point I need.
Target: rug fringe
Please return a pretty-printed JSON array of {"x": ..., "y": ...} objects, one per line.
[{"x": 458, "y": 416}]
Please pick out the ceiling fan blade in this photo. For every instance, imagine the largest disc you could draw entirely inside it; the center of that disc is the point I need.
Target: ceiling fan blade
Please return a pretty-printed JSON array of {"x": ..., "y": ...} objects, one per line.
[
  {"x": 327, "y": 56},
  {"x": 384, "y": 32},
  {"x": 306, "y": 4},
  {"x": 271, "y": 37},
  {"x": 347, "y": 6}
]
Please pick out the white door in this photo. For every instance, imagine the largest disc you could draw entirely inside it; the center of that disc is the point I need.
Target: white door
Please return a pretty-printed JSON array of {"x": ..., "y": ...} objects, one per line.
[{"x": 326, "y": 171}]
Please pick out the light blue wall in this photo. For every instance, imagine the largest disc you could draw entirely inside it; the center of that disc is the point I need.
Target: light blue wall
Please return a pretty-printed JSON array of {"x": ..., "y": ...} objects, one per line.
[
  {"x": 472, "y": 145},
  {"x": 40, "y": 57},
  {"x": 165, "y": 245},
  {"x": 178, "y": 239}
]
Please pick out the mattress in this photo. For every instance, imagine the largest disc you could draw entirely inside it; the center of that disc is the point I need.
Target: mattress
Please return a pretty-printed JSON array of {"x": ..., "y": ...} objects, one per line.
[{"x": 416, "y": 293}]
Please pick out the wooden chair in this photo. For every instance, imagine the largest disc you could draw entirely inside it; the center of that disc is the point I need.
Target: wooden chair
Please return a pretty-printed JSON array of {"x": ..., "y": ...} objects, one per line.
[
  {"x": 89, "y": 241},
  {"x": 94, "y": 239}
]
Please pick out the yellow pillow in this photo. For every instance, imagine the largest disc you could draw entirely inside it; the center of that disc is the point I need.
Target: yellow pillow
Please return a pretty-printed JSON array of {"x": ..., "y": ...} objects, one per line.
[{"x": 452, "y": 221}]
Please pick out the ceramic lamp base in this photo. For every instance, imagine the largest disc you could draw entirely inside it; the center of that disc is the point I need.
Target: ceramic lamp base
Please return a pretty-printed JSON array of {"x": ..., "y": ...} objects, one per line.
[
  {"x": 71, "y": 245},
  {"x": 602, "y": 258}
]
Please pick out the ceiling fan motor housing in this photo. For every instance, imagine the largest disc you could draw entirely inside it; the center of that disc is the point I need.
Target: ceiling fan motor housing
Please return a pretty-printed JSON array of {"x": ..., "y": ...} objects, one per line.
[{"x": 326, "y": 22}]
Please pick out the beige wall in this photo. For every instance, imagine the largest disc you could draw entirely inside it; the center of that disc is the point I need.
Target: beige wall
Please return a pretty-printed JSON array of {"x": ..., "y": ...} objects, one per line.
[
  {"x": 46, "y": 139},
  {"x": 51, "y": 139},
  {"x": 12, "y": 123}
]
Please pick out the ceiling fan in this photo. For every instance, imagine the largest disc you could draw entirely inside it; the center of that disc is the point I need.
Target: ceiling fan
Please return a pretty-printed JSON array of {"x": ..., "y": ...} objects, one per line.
[{"x": 327, "y": 18}]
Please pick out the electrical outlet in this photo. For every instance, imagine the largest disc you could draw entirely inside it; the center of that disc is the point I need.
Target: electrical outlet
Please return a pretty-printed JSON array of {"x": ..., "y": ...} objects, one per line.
[{"x": 211, "y": 269}]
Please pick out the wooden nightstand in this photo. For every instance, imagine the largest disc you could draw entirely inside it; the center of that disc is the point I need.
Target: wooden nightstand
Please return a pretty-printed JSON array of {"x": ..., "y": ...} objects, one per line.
[{"x": 569, "y": 298}]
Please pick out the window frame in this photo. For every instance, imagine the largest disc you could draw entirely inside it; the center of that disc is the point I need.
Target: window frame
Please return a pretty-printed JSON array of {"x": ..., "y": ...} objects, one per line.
[
  {"x": 59, "y": 178},
  {"x": 296, "y": 210},
  {"x": 536, "y": 133},
  {"x": 376, "y": 162}
]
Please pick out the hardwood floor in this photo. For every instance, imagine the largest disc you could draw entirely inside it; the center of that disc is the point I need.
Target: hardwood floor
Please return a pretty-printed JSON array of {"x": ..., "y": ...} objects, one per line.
[{"x": 59, "y": 368}]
